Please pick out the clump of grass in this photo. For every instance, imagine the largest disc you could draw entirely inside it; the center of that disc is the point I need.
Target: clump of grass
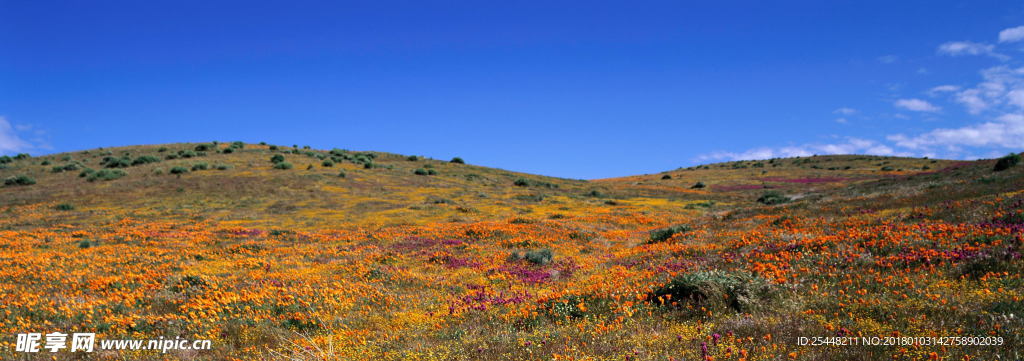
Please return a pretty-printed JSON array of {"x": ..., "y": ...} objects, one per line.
[
  {"x": 145, "y": 159},
  {"x": 741, "y": 292},
  {"x": 1006, "y": 162},
  {"x": 663, "y": 234},
  {"x": 772, "y": 198},
  {"x": 19, "y": 180}
]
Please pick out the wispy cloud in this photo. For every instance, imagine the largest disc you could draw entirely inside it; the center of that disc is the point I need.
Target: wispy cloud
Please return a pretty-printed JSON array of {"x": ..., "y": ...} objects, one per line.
[
  {"x": 849, "y": 146},
  {"x": 845, "y": 111},
  {"x": 917, "y": 105},
  {"x": 958, "y": 48},
  {"x": 1006, "y": 132},
  {"x": 10, "y": 142},
  {"x": 1011, "y": 34}
]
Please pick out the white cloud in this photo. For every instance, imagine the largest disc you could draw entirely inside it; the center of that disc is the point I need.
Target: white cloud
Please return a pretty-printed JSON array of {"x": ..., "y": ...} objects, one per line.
[
  {"x": 957, "y": 48},
  {"x": 943, "y": 89},
  {"x": 9, "y": 140},
  {"x": 850, "y": 146},
  {"x": 1007, "y": 131},
  {"x": 841, "y": 120},
  {"x": 845, "y": 111},
  {"x": 1011, "y": 34},
  {"x": 917, "y": 105}
]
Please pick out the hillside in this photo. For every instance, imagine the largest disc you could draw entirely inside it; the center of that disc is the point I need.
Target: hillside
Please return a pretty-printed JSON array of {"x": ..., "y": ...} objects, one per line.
[{"x": 468, "y": 263}]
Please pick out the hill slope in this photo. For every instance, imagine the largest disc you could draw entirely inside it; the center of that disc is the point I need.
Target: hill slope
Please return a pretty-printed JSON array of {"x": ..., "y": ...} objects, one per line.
[{"x": 480, "y": 263}]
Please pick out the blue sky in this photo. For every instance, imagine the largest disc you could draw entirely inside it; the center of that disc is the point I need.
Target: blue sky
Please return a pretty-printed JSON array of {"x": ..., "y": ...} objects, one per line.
[{"x": 579, "y": 89}]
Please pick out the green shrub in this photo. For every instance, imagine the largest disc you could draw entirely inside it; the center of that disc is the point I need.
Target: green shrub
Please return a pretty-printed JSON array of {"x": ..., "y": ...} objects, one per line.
[
  {"x": 412, "y": 158},
  {"x": 19, "y": 180},
  {"x": 204, "y": 147},
  {"x": 22, "y": 156},
  {"x": 179, "y": 170},
  {"x": 222, "y": 166},
  {"x": 457, "y": 160},
  {"x": 327, "y": 163},
  {"x": 161, "y": 150},
  {"x": 65, "y": 168},
  {"x": 741, "y": 292},
  {"x": 273, "y": 147},
  {"x": 6, "y": 159},
  {"x": 228, "y": 150},
  {"x": 698, "y": 185},
  {"x": 431, "y": 172},
  {"x": 45, "y": 162},
  {"x": 772, "y": 198},
  {"x": 84, "y": 244},
  {"x": 145, "y": 159},
  {"x": 368, "y": 165},
  {"x": 595, "y": 193},
  {"x": 1006, "y": 162},
  {"x": 667, "y": 176},
  {"x": 106, "y": 175},
  {"x": 663, "y": 234},
  {"x": 187, "y": 154},
  {"x": 537, "y": 257},
  {"x": 116, "y": 162},
  {"x": 420, "y": 171},
  {"x": 277, "y": 158},
  {"x": 200, "y": 166},
  {"x": 888, "y": 169},
  {"x": 237, "y": 145},
  {"x": 283, "y": 165},
  {"x": 64, "y": 207},
  {"x": 86, "y": 172},
  {"x": 342, "y": 174}
]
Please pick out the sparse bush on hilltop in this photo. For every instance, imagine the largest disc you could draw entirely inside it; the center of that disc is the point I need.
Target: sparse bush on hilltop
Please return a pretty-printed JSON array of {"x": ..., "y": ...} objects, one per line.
[
  {"x": 19, "y": 180},
  {"x": 412, "y": 158},
  {"x": 145, "y": 159},
  {"x": 204, "y": 147},
  {"x": 1007, "y": 161},
  {"x": 106, "y": 175},
  {"x": 237, "y": 145},
  {"x": 6, "y": 159},
  {"x": 772, "y": 198},
  {"x": 457, "y": 160},
  {"x": 22, "y": 156},
  {"x": 667, "y": 176}
]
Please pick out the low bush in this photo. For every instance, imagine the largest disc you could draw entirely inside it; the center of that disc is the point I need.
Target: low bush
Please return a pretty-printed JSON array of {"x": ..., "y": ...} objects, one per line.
[
  {"x": 179, "y": 170},
  {"x": 457, "y": 160},
  {"x": 342, "y": 174},
  {"x": 222, "y": 167},
  {"x": 200, "y": 166},
  {"x": 741, "y": 292},
  {"x": 327, "y": 163},
  {"x": 420, "y": 171},
  {"x": 64, "y": 207},
  {"x": 667, "y": 176},
  {"x": 412, "y": 158},
  {"x": 698, "y": 185},
  {"x": 772, "y": 198},
  {"x": 537, "y": 257},
  {"x": 19, "y": 180},
  {"x": 283, "y": 165},
  {"x": 1006, "y": 162},
  {"x": 277, "y": 158},
  {"x": 663, "y": 234},
  {"x": 106, "y": 175},
  {"x": 145, "y": 159}
]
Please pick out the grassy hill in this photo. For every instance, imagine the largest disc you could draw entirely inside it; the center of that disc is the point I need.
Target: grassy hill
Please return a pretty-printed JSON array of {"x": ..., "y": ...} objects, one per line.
[{"x": 413, "y": 258}]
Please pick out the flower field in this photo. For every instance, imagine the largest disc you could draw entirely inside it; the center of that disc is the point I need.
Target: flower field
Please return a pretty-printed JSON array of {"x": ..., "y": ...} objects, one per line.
[{"x": 389, "y": 264}]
